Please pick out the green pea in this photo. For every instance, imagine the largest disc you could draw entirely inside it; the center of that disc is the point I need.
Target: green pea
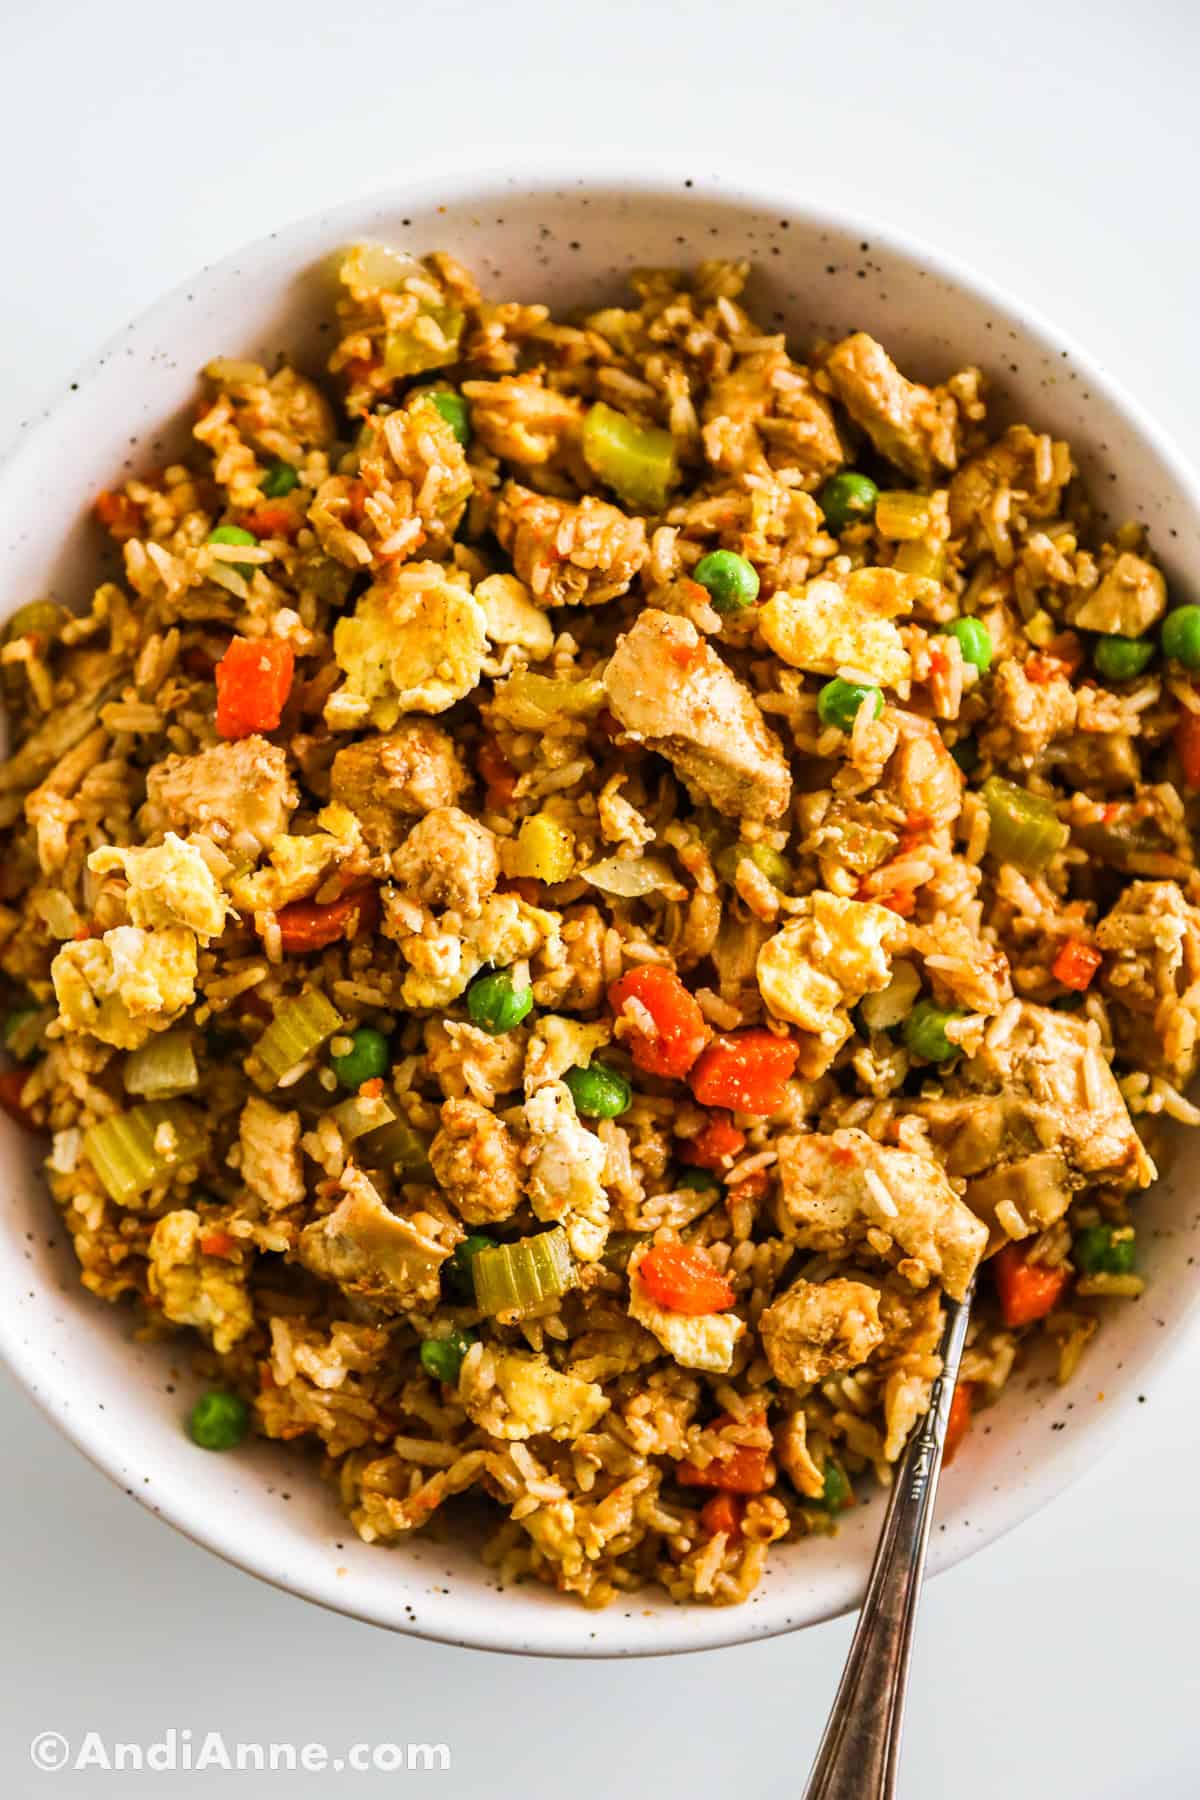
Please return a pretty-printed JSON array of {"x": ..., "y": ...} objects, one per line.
[
  {"x": 1181, "y": 636},
  {"x": 442, "y": 1357},
  {"x": 925, "y": 1032},
  {"x": 698, "y": 1179},
  {"x": 966, "y": 754},
  {"x": 974, "y": 640},
  {"x": 599, "y": 1092},
  {"x": 1101, "y": 1250},
  {"x": 367, "y": 1060},
  {"x": 280, "y": 478},
  {"x": 837, "y": 1494},
  {"x": 768, "y": 862},
  {"x": 234, "y": 534},
  {"x": 1121, "y": 658},
  {"x": 731, "y": 581},
  {"x": 839, "y": 701},
  {"x": 456, "y": 1270},
  {"x": 219, "y": 1420},
  {"x": 847, "y": 499},
  {"x": 495, "y": 1005},
  {"x": 456, "y": 413}
]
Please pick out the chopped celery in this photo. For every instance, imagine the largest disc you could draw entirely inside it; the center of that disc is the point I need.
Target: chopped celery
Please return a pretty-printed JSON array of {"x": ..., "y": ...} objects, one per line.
[
  {"x": 24, "y": 1029},
  {"x": 300, "y": 1026},
  {"x": 38, "y": 618},
  {"x": 132, "y": 1150},
  {"x": 357, "y": 1116},
  {"x": 517, "y": 1278},
  {"x": 1025, "y": 829},
  {"x": 899, "y": 514},
  {"x": 164, "y": 1066},
  {"x": 430, "y": 343},
  {"x": 918, "y": 558},
  {"x": 620, "y": 1246},
  {"x": 397, "y": 1145},
  {"x": 768, "y": 862},
  {"x": 638, "y": 461},
  {"x": 532, "y": 701}
]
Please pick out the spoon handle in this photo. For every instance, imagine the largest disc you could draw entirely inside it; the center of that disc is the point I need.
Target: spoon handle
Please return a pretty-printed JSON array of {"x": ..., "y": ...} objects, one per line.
[{"x": 861, "y": 1747}]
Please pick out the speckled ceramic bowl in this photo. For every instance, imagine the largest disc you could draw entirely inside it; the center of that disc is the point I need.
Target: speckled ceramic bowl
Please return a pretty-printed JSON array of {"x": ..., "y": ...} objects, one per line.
[{"x": 564, "y": 240}]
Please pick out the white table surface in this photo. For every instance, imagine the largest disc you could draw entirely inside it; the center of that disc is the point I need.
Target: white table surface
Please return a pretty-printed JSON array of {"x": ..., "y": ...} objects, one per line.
[{"x": 1055, "y": 146}]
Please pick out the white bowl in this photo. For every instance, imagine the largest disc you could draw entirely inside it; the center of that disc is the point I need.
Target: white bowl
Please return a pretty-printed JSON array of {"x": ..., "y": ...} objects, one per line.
[{"x": 566, "y": 241}]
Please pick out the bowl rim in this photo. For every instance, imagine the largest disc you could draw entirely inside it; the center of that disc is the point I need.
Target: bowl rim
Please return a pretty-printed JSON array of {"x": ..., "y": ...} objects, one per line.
[{"x": 456, "y": 179}]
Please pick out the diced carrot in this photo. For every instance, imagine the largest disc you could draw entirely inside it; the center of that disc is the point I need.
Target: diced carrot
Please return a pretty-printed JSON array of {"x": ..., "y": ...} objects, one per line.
[
  {"x": 254, "y": 679},
  {"x": 901, "y": 901},
  {"x": 750, "y": 1188},
  {"x": 744, "y": 1071},
  {"x": 305, "y": 926},
  {"x": 120, "y": 516},
  {"x": 217, "y": 1243},
  {"x": 715, "y": 1146},
  {"x": 1187, "y": 747},
  {"x": 959, "y": 1422},
  {"x": 271, "y": 521},
  {"x": 742, "y": 1472},
  {"x": 12, "y": 1086},
  {"x": 1075, "y": 965},
  {"x": 683, "y": 1279},
  {"x": 1027, "y": 1291},
  {"x": 723, "y": 1513},
  {"x": 679, "y": 1032},
  {"x": 499, "y": 776}
]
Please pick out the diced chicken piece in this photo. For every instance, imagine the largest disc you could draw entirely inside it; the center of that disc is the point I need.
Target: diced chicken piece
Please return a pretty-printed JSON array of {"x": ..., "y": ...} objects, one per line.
[
  {"x": 907, "y": 1360},
  {"x": 829, "y": 954},
  {"x": 1129, "y": 601},
  {"x": 568, "y": 554},
  {"x": 271, "y": 1164},
  {"x": 512, "y": 617},
  {"x": 526, "y": 1397},
  {"x": 836, "y": 1188},
  {"x": 521, "y": 420},
  {"x": 1100, "y": 760},
  {"x": 1151, "y": 975},
  {"x": 387, "y": 780},
  {"x": 207, "y": 1292},
  {"x": 170, "y": 884},
  {"x": 1019, "y": 1198},
  {"x": 1025, "y": 716},
  {"x": 817, "y": 1328},
  {"x": 831, "y": 627},
  {"x": 390, "y": 1258},
  {"x": 695, "y": 1340},
  {"x": 1052, "y": 1066},
  {"x": 913, "y": 426},
  {"x": 557, "y": 1044},
  {"x": 415, "y": 642},
  {"x": 477, "y": 1162},
  {"x": 922, "y": 776},
  {"x": 672, "y": 692},
  {"x": 963, "y": 970},
  {"x": 974, "y": 1132},
  {"x": 566, "y": 1165},
  {"x": 583, "y": 933},
  {"x": 449, "y": 860},
  {"x": 767, "y": 405},
  {"x": 237, "y": 794},
  {"x": 464, "y": 1060},
  {"x": 125, "y": 986},
  {"x": 1032, "y": 468}
]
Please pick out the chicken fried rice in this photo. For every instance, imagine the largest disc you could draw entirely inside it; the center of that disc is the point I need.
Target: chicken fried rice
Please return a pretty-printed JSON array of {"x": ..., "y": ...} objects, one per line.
[{"x": 584, "y": 876}]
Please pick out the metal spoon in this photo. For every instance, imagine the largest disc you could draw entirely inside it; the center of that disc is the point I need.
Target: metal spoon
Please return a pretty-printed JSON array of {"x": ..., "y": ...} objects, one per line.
[{"x": 860, "y": 1750}]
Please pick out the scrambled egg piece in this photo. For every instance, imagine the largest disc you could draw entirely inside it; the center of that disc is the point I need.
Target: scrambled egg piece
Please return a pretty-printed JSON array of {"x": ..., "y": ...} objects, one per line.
[
  {"x": 298, "y": 865},
  {"x": 414, "y": 643},
  {"x": 566, "y": 1162},
  {"x": 125, "y": 986},
  {"x": 442, "y": 965},
  {"x": 205, "y": 1291},
  {"x": 557, "y": 1044},
  {"x": 270, "y": 1144},
  {"x": 826, "y": 957},
  {"x": 531, "y": 1399},
  {"x": 695, "y": 1340},
  {"x": 512, "y": 618},
  {"x": 830, "y": 627},
  {"x": 171, "y": 884}
]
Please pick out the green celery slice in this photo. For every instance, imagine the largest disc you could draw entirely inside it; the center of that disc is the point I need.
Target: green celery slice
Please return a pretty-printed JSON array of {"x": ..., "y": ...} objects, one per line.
[
  {"x": 300, "y": 1026},
  {"x": 132, "y": 1150},
  {"x": 517, "y": 1278},
  {"x": 397, "y": 1145},
  {"x": 638, "y": 461},
  {"x": 1025, "y": 829},
  {"x": 358, "y": 1116},
  {"x": 164, "y": 1066}
]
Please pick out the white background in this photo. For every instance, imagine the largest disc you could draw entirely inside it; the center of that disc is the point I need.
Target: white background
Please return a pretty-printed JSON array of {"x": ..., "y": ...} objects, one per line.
[{"x": 1055, "y": 146}]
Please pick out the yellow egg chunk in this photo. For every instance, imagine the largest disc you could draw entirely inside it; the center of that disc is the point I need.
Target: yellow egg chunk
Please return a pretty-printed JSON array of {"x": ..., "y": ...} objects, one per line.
[
  {"x": 414, "y": 643},
  {"x": 126, "y": 985},
  {"x": 170, "y": 884},
  {"x": 830, "y": 627}
]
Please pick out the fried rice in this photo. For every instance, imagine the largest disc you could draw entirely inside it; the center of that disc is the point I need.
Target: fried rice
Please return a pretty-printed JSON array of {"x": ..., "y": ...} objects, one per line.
[{"x": 579, "y": 877}]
